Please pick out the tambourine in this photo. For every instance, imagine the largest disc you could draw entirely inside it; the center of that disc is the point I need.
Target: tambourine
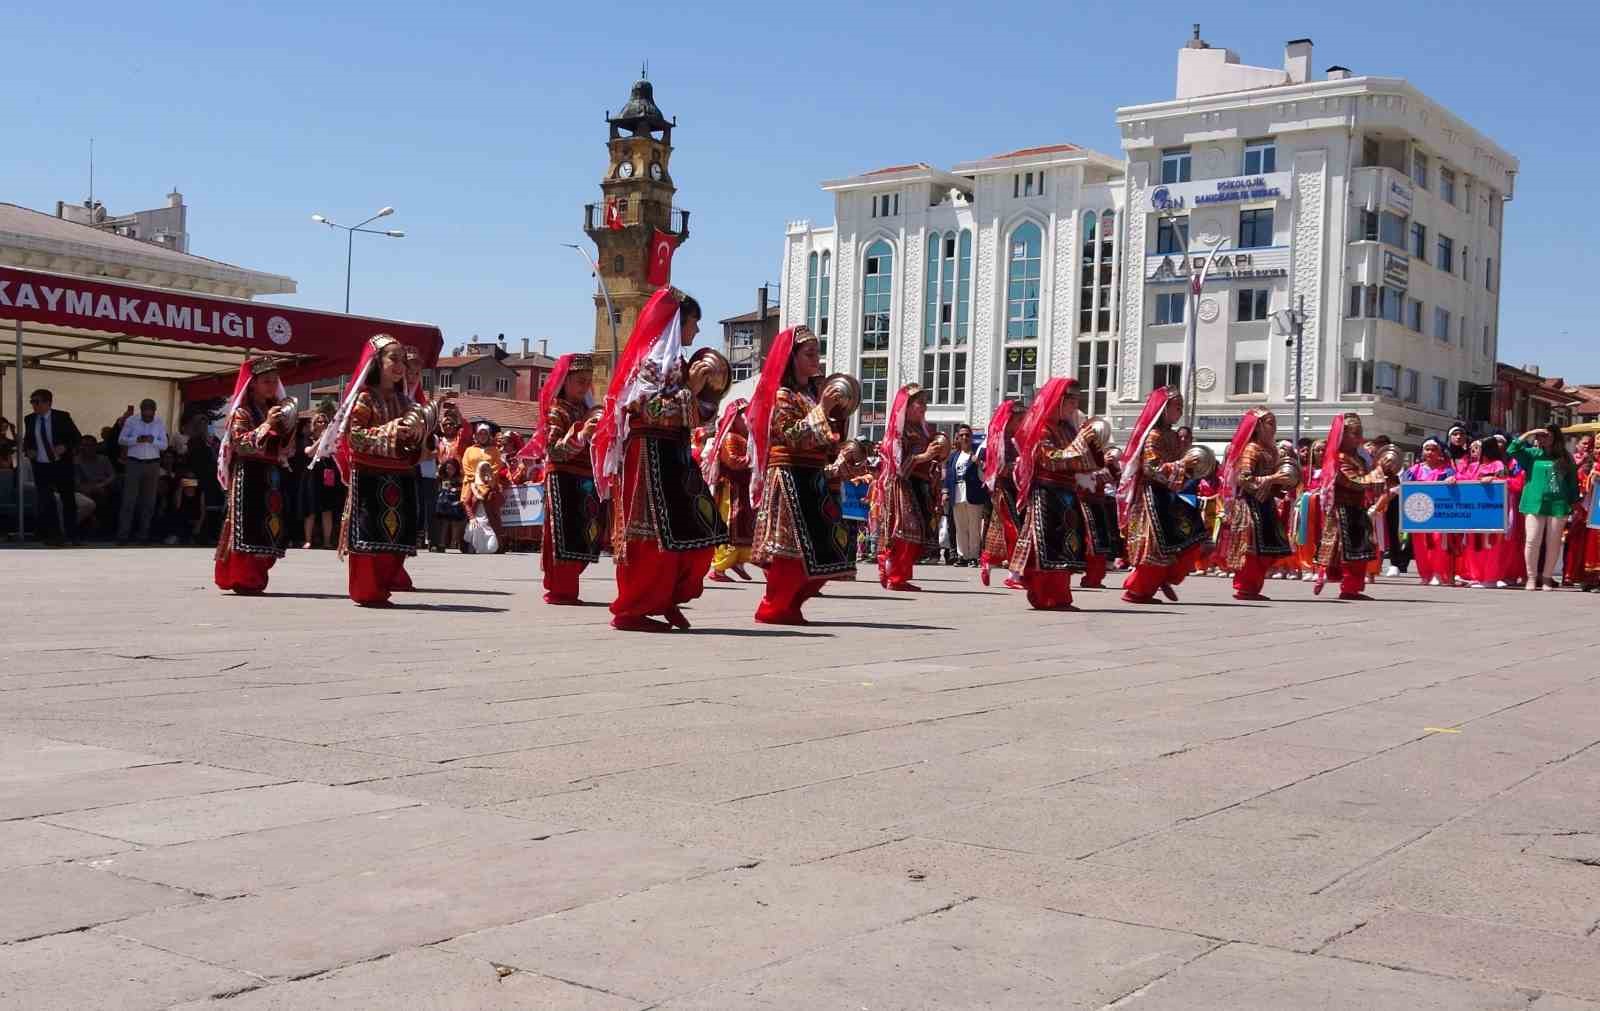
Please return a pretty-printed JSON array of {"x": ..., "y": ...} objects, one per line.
[
  {"x": 721, "y": 378},
  {"x": 1100, "y": 428},
  {"x": 847, "y": 393},
  {"x": 940, "y": 445},
  {"x": 1199, "y": 462},
  {"x": 291, "y": 413},
  {"x": 1289, "y": 471},
  {"x": 1389, "y": 461}
]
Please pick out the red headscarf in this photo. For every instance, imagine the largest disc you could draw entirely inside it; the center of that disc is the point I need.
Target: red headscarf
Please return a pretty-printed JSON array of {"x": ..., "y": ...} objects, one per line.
[
  {"x": 554, "y": 383},
  {"x": 1132, "y": 470},
  {"x": 1329, "y": 476},
  {"x": 1046, "y": 406},
  {"x": 241, "y": 390},
  {"x": 711, "y": 453},
  {"x": 651, "y": 361},
  {"x": 335, "y": 440},
  {"x": 994, "y": 442},
  {"x": 1242, "y": 436},
  {"x": 889, "y": 448},
  {"x": 765, "y": 399}
]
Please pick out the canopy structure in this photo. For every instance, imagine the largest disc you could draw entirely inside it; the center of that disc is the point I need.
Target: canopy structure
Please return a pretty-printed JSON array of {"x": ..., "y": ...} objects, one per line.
[{"x": 66, "y": 323}]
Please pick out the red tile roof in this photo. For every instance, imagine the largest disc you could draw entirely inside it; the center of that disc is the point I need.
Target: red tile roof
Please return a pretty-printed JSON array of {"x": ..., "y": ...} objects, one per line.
[
  {"x": 1047, "y": 149},
  {"x": 897, "y": 168},
  {"x": 456, "y": 361},
  {"x": 503, "y": 411}
]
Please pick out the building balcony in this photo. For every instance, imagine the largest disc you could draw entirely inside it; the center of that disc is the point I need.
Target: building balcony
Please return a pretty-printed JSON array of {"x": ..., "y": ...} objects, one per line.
[{"x": 632, "y": 215}]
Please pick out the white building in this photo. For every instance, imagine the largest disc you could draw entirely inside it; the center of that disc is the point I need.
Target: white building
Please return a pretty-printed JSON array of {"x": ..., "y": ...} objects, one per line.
[
  {"x": 1360, "y": 194},
  {"x": 977, "y": 282}
]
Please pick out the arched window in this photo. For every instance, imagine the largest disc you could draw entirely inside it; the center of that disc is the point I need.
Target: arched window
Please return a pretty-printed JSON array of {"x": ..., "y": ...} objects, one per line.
[
  {"x": 1096, "y": 344},
  {"x": 811, "y": 290},
  {"x": 1024, "y": 258},
  {"x": 945, "y": 332},
  {"x": 618, "y": 264},
  {"x": 824, "y": 281},
  {"x": 877, "y": 292}
]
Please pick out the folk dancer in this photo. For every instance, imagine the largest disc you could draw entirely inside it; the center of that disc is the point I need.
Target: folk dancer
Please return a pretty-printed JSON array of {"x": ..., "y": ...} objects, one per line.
[
  {"x": 1164, "y": 533},
  {"x": 999, "y": 467},
  {"x": 250, "y": 467},
  {"x": 802, "y": 539},
  {"x": 575, "y": 518},
  {"x": 1346, "y": 542},
  {"x": 1098, "y": 502},
  {"x": 906, "y": 511},
  {"x": 725, "y": 464},
  {"x": 376, "y": 439},
  {"x": 1252, "y": 536},
  {"x": 1054, "y": 448},
  {"x": 664, "y": 522}
]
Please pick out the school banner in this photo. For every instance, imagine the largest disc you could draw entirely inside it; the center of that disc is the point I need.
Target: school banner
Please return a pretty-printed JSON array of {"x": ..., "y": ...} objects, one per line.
[
  {"x": 1433, "y": 507},
  {"x": 524, "y": 506}
]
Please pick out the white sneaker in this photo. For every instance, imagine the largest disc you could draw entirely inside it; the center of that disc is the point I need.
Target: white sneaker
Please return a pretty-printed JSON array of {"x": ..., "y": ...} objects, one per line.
[
  {"x": 1391, "y": 571},
  {"x": 1474, "y": 585},
  {"x": 1435, "y": 581},
  {"x": 1499, "y": 584}
]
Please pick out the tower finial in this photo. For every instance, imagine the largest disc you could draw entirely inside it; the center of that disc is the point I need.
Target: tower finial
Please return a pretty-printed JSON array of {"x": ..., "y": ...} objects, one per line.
[{"x": 644, "y": 70}]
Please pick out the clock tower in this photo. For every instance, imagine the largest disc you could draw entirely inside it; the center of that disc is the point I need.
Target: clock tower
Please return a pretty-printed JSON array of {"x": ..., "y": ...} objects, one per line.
[{"x": 638, "y": 191}]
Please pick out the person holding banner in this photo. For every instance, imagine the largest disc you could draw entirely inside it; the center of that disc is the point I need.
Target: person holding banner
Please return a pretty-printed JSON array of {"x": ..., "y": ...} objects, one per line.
[
  {"x": 999, "y": 465},
  {"x": 1575, "y": 552},
  {"x": 1547, "y": 499},
  {"x": 1252, "y": 536},
  {"x": 250, "y": 467},
  {"x": 574, "y": 518},
  {"x": 725, "y": 464},
  {"x": 802, "y": 539},
  {"x": 1496, "y": 559},
  {"x": 664, "y": 522},
  {"x": 1436, "y": 555},
  {"x": 1346, "y": 543},
  {"x": 1165, "y": 534}
]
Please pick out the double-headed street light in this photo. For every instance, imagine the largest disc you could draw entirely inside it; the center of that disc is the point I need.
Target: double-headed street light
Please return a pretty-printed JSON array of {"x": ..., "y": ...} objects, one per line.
[
  {"x": 351, "y": 231},
  {"x": 1291, "y": 323}
]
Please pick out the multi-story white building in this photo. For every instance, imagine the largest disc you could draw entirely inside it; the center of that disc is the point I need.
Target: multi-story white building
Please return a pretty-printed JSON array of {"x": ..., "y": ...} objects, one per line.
[
  {"x": 977, "y": 282},
  {"x": 1359, "y": 194}
]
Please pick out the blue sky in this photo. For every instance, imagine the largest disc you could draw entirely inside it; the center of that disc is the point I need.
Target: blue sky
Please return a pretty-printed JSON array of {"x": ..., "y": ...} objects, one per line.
[{"x": 482, "y": 124}]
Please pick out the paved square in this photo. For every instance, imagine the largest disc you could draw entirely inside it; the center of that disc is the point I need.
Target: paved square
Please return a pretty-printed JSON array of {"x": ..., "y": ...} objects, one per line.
[{"x": 473, "y": 800}]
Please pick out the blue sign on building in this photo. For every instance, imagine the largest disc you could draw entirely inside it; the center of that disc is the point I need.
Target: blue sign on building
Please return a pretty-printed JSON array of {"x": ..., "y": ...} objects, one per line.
[{"x": 1432, "y": 507}]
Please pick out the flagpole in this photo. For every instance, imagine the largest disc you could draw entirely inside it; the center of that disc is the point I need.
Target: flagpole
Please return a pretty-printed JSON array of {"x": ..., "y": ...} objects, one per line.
[{"x": 611, "y": 314}]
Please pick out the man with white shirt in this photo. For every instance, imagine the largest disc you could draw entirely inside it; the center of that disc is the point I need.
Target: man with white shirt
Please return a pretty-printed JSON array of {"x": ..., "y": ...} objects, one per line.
[
  {"x": 143, "y": 439},
  {"x": 46, "y": 435},
  {"x": 969, "y": 496}
]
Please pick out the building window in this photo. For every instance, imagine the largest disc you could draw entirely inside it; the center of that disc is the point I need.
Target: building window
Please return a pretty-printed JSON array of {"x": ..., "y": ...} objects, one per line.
[
  {"x": 1097, "y": 373},
  {"x": 1419, "y": 169},
  {"x": 824, "y": 286},
  {"x": 1445, "y": 257},
  {"x": 1486, "y": 338},
  {"x": 1363, "y": 301},
  {"x": 1413, "y": 315},
  {"x": 1260, "y": 157},
  {"x": 1392, "y": 229},
  {"x": 1249, "y": 378},
  {"x": 1108, "y": 295},
  {"x": 1357, "y": 376},
  {"x": 1441, "y": 391},
  {"x": 474, "y": 382},
  {"x": 877, "y": 289},
  {"x": 1411, "y": 386},
  {"x": 502, "y": 385},
  {"x": 1095, "y": 293},
  {"x": 1167, "y": 374},
  {"x": 743, "y": 369},
  {"x": 1250, "y": 304},
  {"x": 1392, "y": 304},
  {"x": 618, "y": 264},
  {"x": 1175, "y": 165},
  {"x": 1022, "y": 184},
  {"x": 1466, "y": 264},
  {"x": 1169, "y": 307},
  {"x": 1419, "y": 241},
  {"x": 1022, "y": 284},
  {"x": 1488, "y": 273},
  {"x": 1447, "y": 185},
  {"x": 886, "y": 205},
  {"x": 874, "y": 396},
  {"x": 946, "y": 325},
  {"x": 1255, "y": 228},
  {"x": 616, "y": 318},
  {"x": 1494, "y": 209},
  {"x": 813, "y": 268},
  {"x": 1441, "y": 323},
  {"x": 1172, "y": 235},
  {"x": 446, "y": 377},
  {"x": 1367, "y": 226},
  {"x": 1388, "y": 379},
  {"x": 1022, "y": 372}
]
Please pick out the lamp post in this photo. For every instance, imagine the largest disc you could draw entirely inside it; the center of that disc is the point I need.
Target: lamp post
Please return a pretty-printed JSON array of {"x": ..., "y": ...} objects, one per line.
[
  {"x": 350, "y": 244},
  {"x": 1292, "y": 323},
  {"x": 1197, "y": 281},
  {"x": 611, "y": 314}
]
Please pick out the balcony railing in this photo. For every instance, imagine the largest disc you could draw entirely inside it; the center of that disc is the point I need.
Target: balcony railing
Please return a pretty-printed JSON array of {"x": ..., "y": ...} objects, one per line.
[{"x": 594, "y": 218}]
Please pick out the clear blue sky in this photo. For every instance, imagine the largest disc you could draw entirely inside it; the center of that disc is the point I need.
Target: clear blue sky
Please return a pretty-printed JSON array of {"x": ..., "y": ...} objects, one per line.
[{"x": 482, "y": 124}]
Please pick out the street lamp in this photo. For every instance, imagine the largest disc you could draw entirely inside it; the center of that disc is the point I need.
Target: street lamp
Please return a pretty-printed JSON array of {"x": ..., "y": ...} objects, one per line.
[
  {"x": 1291, "y": 323},
  {"x": 351, "y": 231},
  {"x": 1196, "y": 282},
  {"x": 611, "y": 314}
]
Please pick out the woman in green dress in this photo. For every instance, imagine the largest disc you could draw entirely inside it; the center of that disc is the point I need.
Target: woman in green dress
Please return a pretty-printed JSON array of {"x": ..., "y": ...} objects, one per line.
[{"x": 1547, "y": 498}]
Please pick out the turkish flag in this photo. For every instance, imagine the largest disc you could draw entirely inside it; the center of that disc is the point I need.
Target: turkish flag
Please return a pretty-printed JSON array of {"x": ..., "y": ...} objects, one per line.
[
  {"x": 662, "y": 246},
  {"x": 613, "y": 216}
]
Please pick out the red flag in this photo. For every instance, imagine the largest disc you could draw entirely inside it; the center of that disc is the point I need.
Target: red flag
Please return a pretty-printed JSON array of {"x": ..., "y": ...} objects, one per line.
[
  {"x": 613, "y": 216},
  {"x": 662, "y": 246}
]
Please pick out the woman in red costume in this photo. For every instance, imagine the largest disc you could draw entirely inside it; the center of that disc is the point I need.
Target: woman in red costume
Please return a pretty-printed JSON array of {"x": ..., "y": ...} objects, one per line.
[
  {"x": 1097, "y": 501},
  {"x": 250, "y": 468},
  {"x": 1165, "y": 534},
  {"x": 1347, "y": 543},
  {"x": 1253, "y": 537},
  {"x": 999, "y": 467},
  {"x": 801, "y": 537},
  {"x": 1054, "y": 447},
  {"x": 376, "y": 439},
  {"x": 574, "y": 517},
  {"x": 725, "y": 464},
  {"x": 664, "y": 522},
  {"x": 910, "y": 479}
]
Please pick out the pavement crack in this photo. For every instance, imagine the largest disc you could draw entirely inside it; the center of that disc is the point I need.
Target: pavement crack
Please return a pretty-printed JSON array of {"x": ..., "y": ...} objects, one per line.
[
  {"x": 1141, "y": 989},
  {"x": 1337, "y": 936}
]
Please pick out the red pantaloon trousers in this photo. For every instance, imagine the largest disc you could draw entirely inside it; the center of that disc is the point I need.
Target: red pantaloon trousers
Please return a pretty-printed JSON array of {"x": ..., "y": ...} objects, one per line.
[
  {"x": 1146, "y": 579},
  {"x": 1352, "y": 576},
  {"x": 243, "y": 573},
  {"x": 560, "y": 578},
  {"x": 788, "y": 587},
  {"x": 899, "y": 561},
  {"x": 1048, "y": 590},
  {"x": 1094, "y": 576},
  {"x": 1252, "y": 576},
  {"x": 372, "y": 577},
  {"x": 654, "y": 581}
]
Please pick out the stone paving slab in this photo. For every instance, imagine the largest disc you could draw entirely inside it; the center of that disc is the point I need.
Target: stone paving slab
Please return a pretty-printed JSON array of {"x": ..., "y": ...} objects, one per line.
[{"x": 940, "y": 800}]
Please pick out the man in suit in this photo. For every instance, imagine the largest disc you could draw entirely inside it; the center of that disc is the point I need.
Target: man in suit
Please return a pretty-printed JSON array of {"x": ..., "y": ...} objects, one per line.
[{"x": 48, "y": 434}]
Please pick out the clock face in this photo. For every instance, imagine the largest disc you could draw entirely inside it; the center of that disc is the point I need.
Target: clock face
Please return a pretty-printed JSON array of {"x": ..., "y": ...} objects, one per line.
[
  {"x": 655, "y": 170},
  {"x": 625, "y": 170}
]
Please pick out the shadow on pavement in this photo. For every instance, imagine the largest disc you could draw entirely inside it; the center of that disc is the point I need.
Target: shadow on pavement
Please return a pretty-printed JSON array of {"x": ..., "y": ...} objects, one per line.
[
  {"x": 757, "y": 633},
  {"x": 892, "y": 625},
  {"x": 459, "y": 608}
]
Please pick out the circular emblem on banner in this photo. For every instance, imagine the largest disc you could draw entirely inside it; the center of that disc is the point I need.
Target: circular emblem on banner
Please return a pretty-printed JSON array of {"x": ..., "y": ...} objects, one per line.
[
  {"x": 1205, "y": 379},
  {"x": 1419, "y": 507},
  {"x": 278, "y": 330},
  {"x": 1209, "y": 310}
]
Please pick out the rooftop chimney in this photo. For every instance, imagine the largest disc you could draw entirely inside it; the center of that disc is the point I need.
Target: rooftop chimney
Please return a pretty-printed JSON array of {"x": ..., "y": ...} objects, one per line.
[
  {"x": 1297, "y": 60},
  {"x": 1196, "y": 42},
  {"x": 544, "y": 346},
  {"x": 524, "y": 347},
  {"x": 1338, "y": 73},
  {"x": 761, "y": 303}
]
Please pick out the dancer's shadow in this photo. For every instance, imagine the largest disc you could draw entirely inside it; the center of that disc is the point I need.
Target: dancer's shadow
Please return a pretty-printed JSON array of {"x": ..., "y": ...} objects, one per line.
[
  {"x": 901, "y": 598},
  {"x": 458, "y": 608},
  {"x": 756, "y": 633},
  {"x": 304, "y": 596},
  {"x": 889, "y": 625},
  {"x": 455, "y": 590}
]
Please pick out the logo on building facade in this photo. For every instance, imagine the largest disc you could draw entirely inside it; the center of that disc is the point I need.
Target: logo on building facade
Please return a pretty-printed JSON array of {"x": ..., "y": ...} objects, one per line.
[
  {"x": 1235, "y": 189},
  {"x": 1396, "y": 270},
  {"x": 279, "y": 331},
  {"x": 1271, "y": 262},
  {"x": 1161, "y": 199}
]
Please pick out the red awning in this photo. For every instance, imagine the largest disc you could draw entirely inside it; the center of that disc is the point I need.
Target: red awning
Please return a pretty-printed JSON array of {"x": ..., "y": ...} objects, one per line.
[{"x": 79, "y": 324}]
